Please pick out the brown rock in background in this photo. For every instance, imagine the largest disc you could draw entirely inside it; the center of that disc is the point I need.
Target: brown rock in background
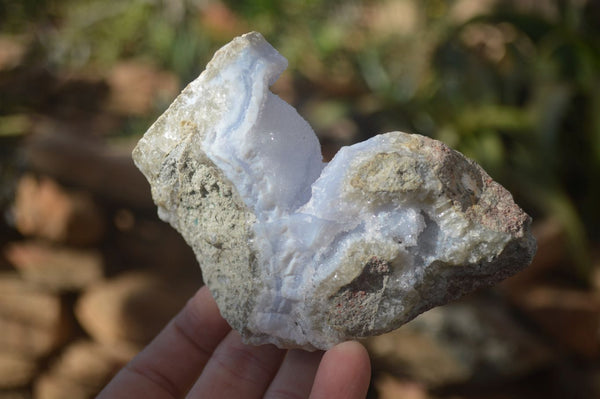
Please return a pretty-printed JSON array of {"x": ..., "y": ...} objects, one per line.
[
  {"x": 52, "y": 387},
  {"x": 45, "y": 209},
  {"x": 136, "y": 87},
  {"x": 15, "y": 394},
  {"x": 32, "y": 321},
  {"x": 129, "y": 310},
  {"x": 90, "y": 165},
  {"x": 551, "y": 241},
  {"x": 157, "y": 246},
  {"x": 476, "y": 340},
  {"x": 570, "y": 316},
  {"x": 417, "y": 356},
  {"x": 389, "y": 387},
  {"x": 16, "y": 370},
  {"x": 221, "y": 21},
  {"x": 12, "y": 51},
  {"x": 84, "y": 367},
  {"x": 56, "y": 268}
]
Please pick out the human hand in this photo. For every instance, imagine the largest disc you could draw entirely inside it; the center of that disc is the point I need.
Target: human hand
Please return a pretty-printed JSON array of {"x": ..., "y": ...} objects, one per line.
[{"x": 197, "y": 355}]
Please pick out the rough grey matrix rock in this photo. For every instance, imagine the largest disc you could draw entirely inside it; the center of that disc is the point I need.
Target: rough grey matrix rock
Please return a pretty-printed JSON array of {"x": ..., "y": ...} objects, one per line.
[{"x": 305, "y": 254}]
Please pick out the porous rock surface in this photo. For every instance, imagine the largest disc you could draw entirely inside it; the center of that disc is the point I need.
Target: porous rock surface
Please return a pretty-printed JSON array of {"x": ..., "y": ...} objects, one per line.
[{"x": 305, "y": 254}]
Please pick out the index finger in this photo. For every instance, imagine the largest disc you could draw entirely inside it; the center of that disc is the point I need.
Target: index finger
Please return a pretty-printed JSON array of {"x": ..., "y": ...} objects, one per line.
[{"x": 171, "y": 363}]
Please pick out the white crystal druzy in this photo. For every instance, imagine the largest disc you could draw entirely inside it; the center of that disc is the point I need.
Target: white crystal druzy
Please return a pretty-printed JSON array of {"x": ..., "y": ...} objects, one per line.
[{"x": 302, "y": 254}]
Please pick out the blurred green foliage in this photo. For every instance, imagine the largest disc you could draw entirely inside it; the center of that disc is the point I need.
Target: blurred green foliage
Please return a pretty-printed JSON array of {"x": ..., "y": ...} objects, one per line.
[{"x": 513, "y": 84}]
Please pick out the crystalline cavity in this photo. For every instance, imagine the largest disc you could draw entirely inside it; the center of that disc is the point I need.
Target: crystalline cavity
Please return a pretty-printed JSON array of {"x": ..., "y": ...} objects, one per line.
[{"x": 303, "y": 254}]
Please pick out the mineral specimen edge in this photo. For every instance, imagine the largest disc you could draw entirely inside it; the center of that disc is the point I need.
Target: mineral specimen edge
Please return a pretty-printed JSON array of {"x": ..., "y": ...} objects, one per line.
[{"x": 303, "y": 254}]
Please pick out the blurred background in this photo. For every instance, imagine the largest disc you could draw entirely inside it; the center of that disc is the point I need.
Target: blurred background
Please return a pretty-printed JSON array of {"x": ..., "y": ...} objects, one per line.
[{"x": 88, "y": 274}]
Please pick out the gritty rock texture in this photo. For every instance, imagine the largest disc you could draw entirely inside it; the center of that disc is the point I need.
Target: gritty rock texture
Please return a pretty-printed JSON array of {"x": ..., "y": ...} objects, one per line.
[{"x": 305, "y": 254}]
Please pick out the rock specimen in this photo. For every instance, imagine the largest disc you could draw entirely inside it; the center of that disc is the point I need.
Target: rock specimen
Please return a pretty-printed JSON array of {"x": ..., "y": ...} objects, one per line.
[{"x": 303, "y": 254}]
